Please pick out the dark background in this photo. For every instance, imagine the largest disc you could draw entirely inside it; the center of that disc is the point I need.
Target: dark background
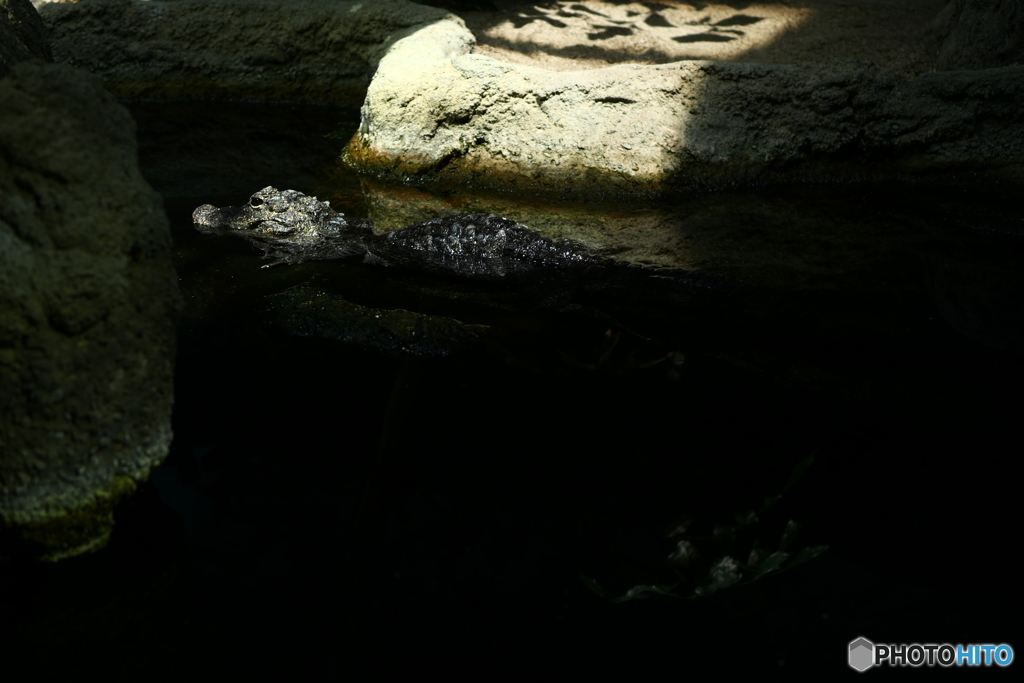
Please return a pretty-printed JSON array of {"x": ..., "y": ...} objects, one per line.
[{"x": 329, "y": 510}]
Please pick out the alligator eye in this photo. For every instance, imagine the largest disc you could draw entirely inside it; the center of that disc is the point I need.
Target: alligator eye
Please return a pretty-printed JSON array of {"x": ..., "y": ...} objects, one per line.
[{"x": 256, "y": 201}]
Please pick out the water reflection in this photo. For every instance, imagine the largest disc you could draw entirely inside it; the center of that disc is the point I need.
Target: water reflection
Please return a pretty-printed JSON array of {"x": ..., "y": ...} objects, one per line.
[{"x": 326, "y": 506}]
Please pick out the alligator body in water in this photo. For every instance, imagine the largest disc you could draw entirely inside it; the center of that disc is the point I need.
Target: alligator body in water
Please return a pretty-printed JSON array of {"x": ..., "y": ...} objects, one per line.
[
  {"x": 562, "y": 275},
  {"x": 292, "y": 227}
]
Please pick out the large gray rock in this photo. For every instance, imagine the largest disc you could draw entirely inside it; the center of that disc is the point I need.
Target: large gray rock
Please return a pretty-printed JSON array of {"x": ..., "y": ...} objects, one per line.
[
  {"x": 435, "y": 112},
  {"x": 88, "y": 298},
  {"x": 22, "y": 35},
  {"x": 979, "y": 34},
  {"x": 299, "y": 50}
]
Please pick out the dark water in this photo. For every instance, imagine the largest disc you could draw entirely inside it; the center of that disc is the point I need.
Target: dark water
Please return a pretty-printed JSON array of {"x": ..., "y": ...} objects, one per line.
[{"x": 329, "y": 510}]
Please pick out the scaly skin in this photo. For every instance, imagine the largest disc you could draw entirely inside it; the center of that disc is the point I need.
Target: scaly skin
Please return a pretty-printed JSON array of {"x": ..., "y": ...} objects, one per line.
[
  {"x": 288, "y": 226},
  {"x": 293, "y": 228}
]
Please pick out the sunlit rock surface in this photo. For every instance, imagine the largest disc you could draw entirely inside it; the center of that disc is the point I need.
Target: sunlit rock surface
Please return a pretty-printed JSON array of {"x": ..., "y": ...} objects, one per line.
[
  {"x": 88, "y": 299},
  {"x": 570, "y": 35},
  {"x": 436, "y": 112},
  {"x": 441, "y": 109}
]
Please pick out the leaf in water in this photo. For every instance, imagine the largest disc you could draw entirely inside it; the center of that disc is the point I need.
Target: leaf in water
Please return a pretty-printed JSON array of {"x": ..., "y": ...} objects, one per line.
[
  {"x": 808, "y": 553},
  {"x": 645, "y": 591},
  {"x": 680, "y": 526},
  {"x": 799, "y": 470},
  {"x": 724, "y": 533},
  {"x": 684, "y": 554},
  {"x": 789, "y": 534},
  {"x": 725, "y": 572},
  {"x": 772, "y": 563},
  {"x": 747, "y": 518},
  {"x": 593, "y": 585}
]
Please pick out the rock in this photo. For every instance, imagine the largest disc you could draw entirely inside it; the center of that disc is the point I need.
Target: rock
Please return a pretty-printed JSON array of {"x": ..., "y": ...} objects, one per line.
[
  {"x": 573, "y": 35},
  {"x": 979, "y": 34},
  {"x": 307, "y": 312},
  {"x": 300, "y": 50},
  {"x": 22, "y": 35},
  {"x": 437, "y": 114},
  {"x": 88, "y": 300}
]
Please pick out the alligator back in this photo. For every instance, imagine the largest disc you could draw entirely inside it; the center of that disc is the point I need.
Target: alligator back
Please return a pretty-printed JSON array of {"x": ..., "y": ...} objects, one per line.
[{"x": 478, "y": 245}]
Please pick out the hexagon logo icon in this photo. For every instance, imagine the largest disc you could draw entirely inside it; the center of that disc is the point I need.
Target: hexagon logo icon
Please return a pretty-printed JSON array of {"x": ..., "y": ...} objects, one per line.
[{"x": 862, "y": 654}]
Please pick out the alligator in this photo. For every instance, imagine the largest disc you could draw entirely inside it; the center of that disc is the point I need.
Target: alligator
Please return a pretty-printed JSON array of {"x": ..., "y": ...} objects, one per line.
[
  {"x": 554, "y": 275},
  {"x": 292, "y": 227}
]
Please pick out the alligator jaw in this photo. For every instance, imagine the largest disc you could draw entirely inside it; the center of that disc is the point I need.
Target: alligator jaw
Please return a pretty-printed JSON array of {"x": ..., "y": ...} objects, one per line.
[{"x": 210, "y": 220}]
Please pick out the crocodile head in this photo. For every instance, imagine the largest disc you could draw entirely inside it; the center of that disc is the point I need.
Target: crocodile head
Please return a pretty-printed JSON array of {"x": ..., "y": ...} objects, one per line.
[
  {"x": 285, "y": 224},
  {"x": 270, "y": 212}
]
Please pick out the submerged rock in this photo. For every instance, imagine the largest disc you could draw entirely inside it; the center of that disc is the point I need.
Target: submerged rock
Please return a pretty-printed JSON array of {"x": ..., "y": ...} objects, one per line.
[
  {"x": 88, "y": 298},
  {"x": 307, "y": 312}
]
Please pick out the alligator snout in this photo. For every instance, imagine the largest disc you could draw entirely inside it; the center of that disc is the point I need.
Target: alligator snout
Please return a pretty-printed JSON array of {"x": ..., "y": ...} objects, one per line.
[{"x": 208, "y": 219}]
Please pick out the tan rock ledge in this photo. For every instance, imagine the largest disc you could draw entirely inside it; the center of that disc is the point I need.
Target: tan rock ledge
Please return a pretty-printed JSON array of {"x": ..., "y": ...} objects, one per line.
[
  {"x": 437, "y": 113},
  {"x": 713, "y": 96}
]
